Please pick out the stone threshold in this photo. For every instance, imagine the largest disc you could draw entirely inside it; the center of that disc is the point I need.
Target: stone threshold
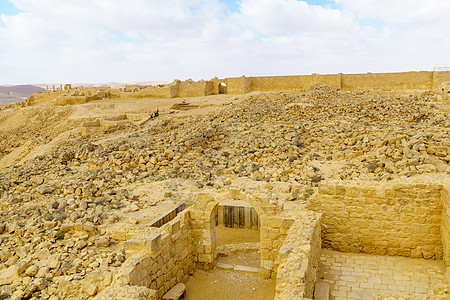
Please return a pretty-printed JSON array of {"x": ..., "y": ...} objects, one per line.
[{"x": 237, "y": 268}]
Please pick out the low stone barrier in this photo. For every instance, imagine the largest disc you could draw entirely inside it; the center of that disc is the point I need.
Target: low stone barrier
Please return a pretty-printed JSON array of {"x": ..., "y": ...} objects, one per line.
[
  {"x": 168, "y": 216},
  {"x": 164, "y": 257}
]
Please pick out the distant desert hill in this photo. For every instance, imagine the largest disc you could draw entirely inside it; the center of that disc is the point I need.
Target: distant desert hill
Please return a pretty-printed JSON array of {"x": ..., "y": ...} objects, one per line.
[
  {"x": 17, "y": 93},
  {"x": 114, "y": 85}
]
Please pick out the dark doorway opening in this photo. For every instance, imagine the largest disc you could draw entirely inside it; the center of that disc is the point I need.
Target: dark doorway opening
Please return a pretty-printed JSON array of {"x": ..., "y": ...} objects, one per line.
[{"x": 223, "y": 88}]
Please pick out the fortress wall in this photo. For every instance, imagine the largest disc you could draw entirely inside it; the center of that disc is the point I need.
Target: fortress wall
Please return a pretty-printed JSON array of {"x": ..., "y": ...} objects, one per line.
[
  {"x": 215, "y": 85},
  {"x": 389, "y": 81},
  {"x": 441, "y": 80},
  {"x": 299, "y": 258},
  {"x": 192, "y": 88},
  {"x": 164, "y": 257},
  {"x": 238, "y": 85},
  {"x": 293, "y": 83},
  {"x": 166, "y": 91},
  {"x": 396, "y": 219}
]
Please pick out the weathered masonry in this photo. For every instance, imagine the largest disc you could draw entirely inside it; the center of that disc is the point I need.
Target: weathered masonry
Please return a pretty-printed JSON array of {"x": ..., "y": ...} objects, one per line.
[
  {"x": 406, "y": 219},
  {"x": 425, "y": 80}
]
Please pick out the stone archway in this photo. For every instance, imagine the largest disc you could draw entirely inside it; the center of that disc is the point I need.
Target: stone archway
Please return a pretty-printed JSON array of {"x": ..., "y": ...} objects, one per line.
[
  {"x": 223, "y": 88},
  {"x": 203, "y": 227},
  {"x": 236, "y": 235}
]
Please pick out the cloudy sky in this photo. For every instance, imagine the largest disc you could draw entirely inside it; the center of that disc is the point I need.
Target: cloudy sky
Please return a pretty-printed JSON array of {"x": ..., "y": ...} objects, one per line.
[{"x": 138, "y": 40}]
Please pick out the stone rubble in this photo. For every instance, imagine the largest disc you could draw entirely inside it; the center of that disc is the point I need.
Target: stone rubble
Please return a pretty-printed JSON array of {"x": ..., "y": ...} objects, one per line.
[{"x": 55, "y": 209}]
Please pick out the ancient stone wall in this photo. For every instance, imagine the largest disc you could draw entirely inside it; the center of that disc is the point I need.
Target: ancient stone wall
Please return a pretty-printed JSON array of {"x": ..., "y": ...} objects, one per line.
[
  {"x": 190, "y": 88},
  {"x": 163, "y": 258},
  {"x": 445, "y": 229},
  {"x": 164, "y": 91},
  {"x": 395, "y": 81},
  {"x": 441, "y": 81},
  {"x": 41, "y": 97},
  {"x": 273, "y": 234},
  {"x": 299, "y": 258},
  {"x": 69, "y": 100},
  {"x": 293, "y": 83},
  {"x": 397, "y": 219},
  {"x": 238, "y": 85}
]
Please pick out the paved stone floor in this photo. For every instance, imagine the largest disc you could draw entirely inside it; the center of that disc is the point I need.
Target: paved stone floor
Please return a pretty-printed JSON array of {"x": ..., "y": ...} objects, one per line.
[{"x": 359, "y": 276}]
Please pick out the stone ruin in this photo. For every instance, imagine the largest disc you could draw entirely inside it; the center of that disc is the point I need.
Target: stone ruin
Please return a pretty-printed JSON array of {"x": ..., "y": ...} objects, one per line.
[
  {"x": 302, "y": 211},
  {"x": 342, "y": 216}
]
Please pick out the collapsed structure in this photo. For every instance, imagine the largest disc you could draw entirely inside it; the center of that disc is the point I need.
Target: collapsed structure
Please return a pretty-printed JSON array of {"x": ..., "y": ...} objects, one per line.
[{"x": 318, "y": 167}]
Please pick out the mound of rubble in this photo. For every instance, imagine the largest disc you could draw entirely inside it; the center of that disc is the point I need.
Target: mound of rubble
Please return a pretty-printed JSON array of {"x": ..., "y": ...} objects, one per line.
[{"x": 57, "y": 210}]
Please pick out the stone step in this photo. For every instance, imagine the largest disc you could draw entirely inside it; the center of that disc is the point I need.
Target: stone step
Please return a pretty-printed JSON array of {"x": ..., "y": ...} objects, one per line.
[
  {"x": 237, "y": 268},
  {"x": 175, "y": 293},
  {"x": 246, "y": 269}
]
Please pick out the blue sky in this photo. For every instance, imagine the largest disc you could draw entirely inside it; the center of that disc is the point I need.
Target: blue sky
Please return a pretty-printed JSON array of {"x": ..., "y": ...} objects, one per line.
[
  {"x": 234, "y": 5},
  {"x": 140, "y": 40},
  {"x": 8, "y": 8}
]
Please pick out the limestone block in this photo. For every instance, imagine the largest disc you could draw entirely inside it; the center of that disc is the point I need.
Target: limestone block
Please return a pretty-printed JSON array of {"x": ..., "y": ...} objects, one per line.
[
  {"x": 286, "y": 223},
  {"x": 205, "y": 258},
  {"x": 326, "y": 189},
  {"x": 267, "y": 264},
  {"x": 246, "y": 269},
  {"x": 127, "y": 293},
  {"x": 265, "y": 274},
  {"x": 9, "y": 275},
  {"x": 224, "y": 266},
  {"x": 134, "y": 245},
  {"x": 89, "y": 288},
  {"x": 174, "y": 226},
  {"x": 175, "y": 293},
  {"x": 153, "y": 242}
]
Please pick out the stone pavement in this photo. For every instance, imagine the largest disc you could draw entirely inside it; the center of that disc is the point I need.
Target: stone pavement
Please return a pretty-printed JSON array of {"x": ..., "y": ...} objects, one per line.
[{"x": 359, "y": 276}]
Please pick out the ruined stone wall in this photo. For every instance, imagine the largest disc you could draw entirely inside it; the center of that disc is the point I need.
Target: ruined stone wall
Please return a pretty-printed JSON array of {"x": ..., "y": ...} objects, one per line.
[
  {"x": 394, "y": 81},
  {"x": 273, "y": 232},
  {"x": 41, "y": 97},
  {"x": 396, "y": 219},
  {"x": 190, "y": 88},
  {"x": 164, "y": 91},
  {"x": 299, "y": 258},
  {"x": 238, "y": 85},
  {"x": 441, "y": 80},
  {"x": 69, "y": 100},
  {"x": 445, "y": 229},
  {"x": 293, "y": 83},
  {"x": 165, "y": 257}
]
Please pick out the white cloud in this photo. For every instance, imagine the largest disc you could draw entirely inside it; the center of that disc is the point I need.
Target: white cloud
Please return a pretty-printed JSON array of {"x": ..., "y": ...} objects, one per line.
[
  {"x": 283, "y": 17},
  {"x": 400, "y": 11},
  {"x": 101, "y": 40}
]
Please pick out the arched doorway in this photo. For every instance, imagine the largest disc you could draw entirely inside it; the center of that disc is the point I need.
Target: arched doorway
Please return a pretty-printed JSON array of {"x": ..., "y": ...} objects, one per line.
[
  {"x": 235, "y": 233},
  {"x": 223, "y": 88}
]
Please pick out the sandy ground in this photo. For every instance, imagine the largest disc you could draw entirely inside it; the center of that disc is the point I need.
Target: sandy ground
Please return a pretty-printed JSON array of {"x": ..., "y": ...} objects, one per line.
[
  {"x": 226, "y": 236},
  {"x": 226, "y": 285}
]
